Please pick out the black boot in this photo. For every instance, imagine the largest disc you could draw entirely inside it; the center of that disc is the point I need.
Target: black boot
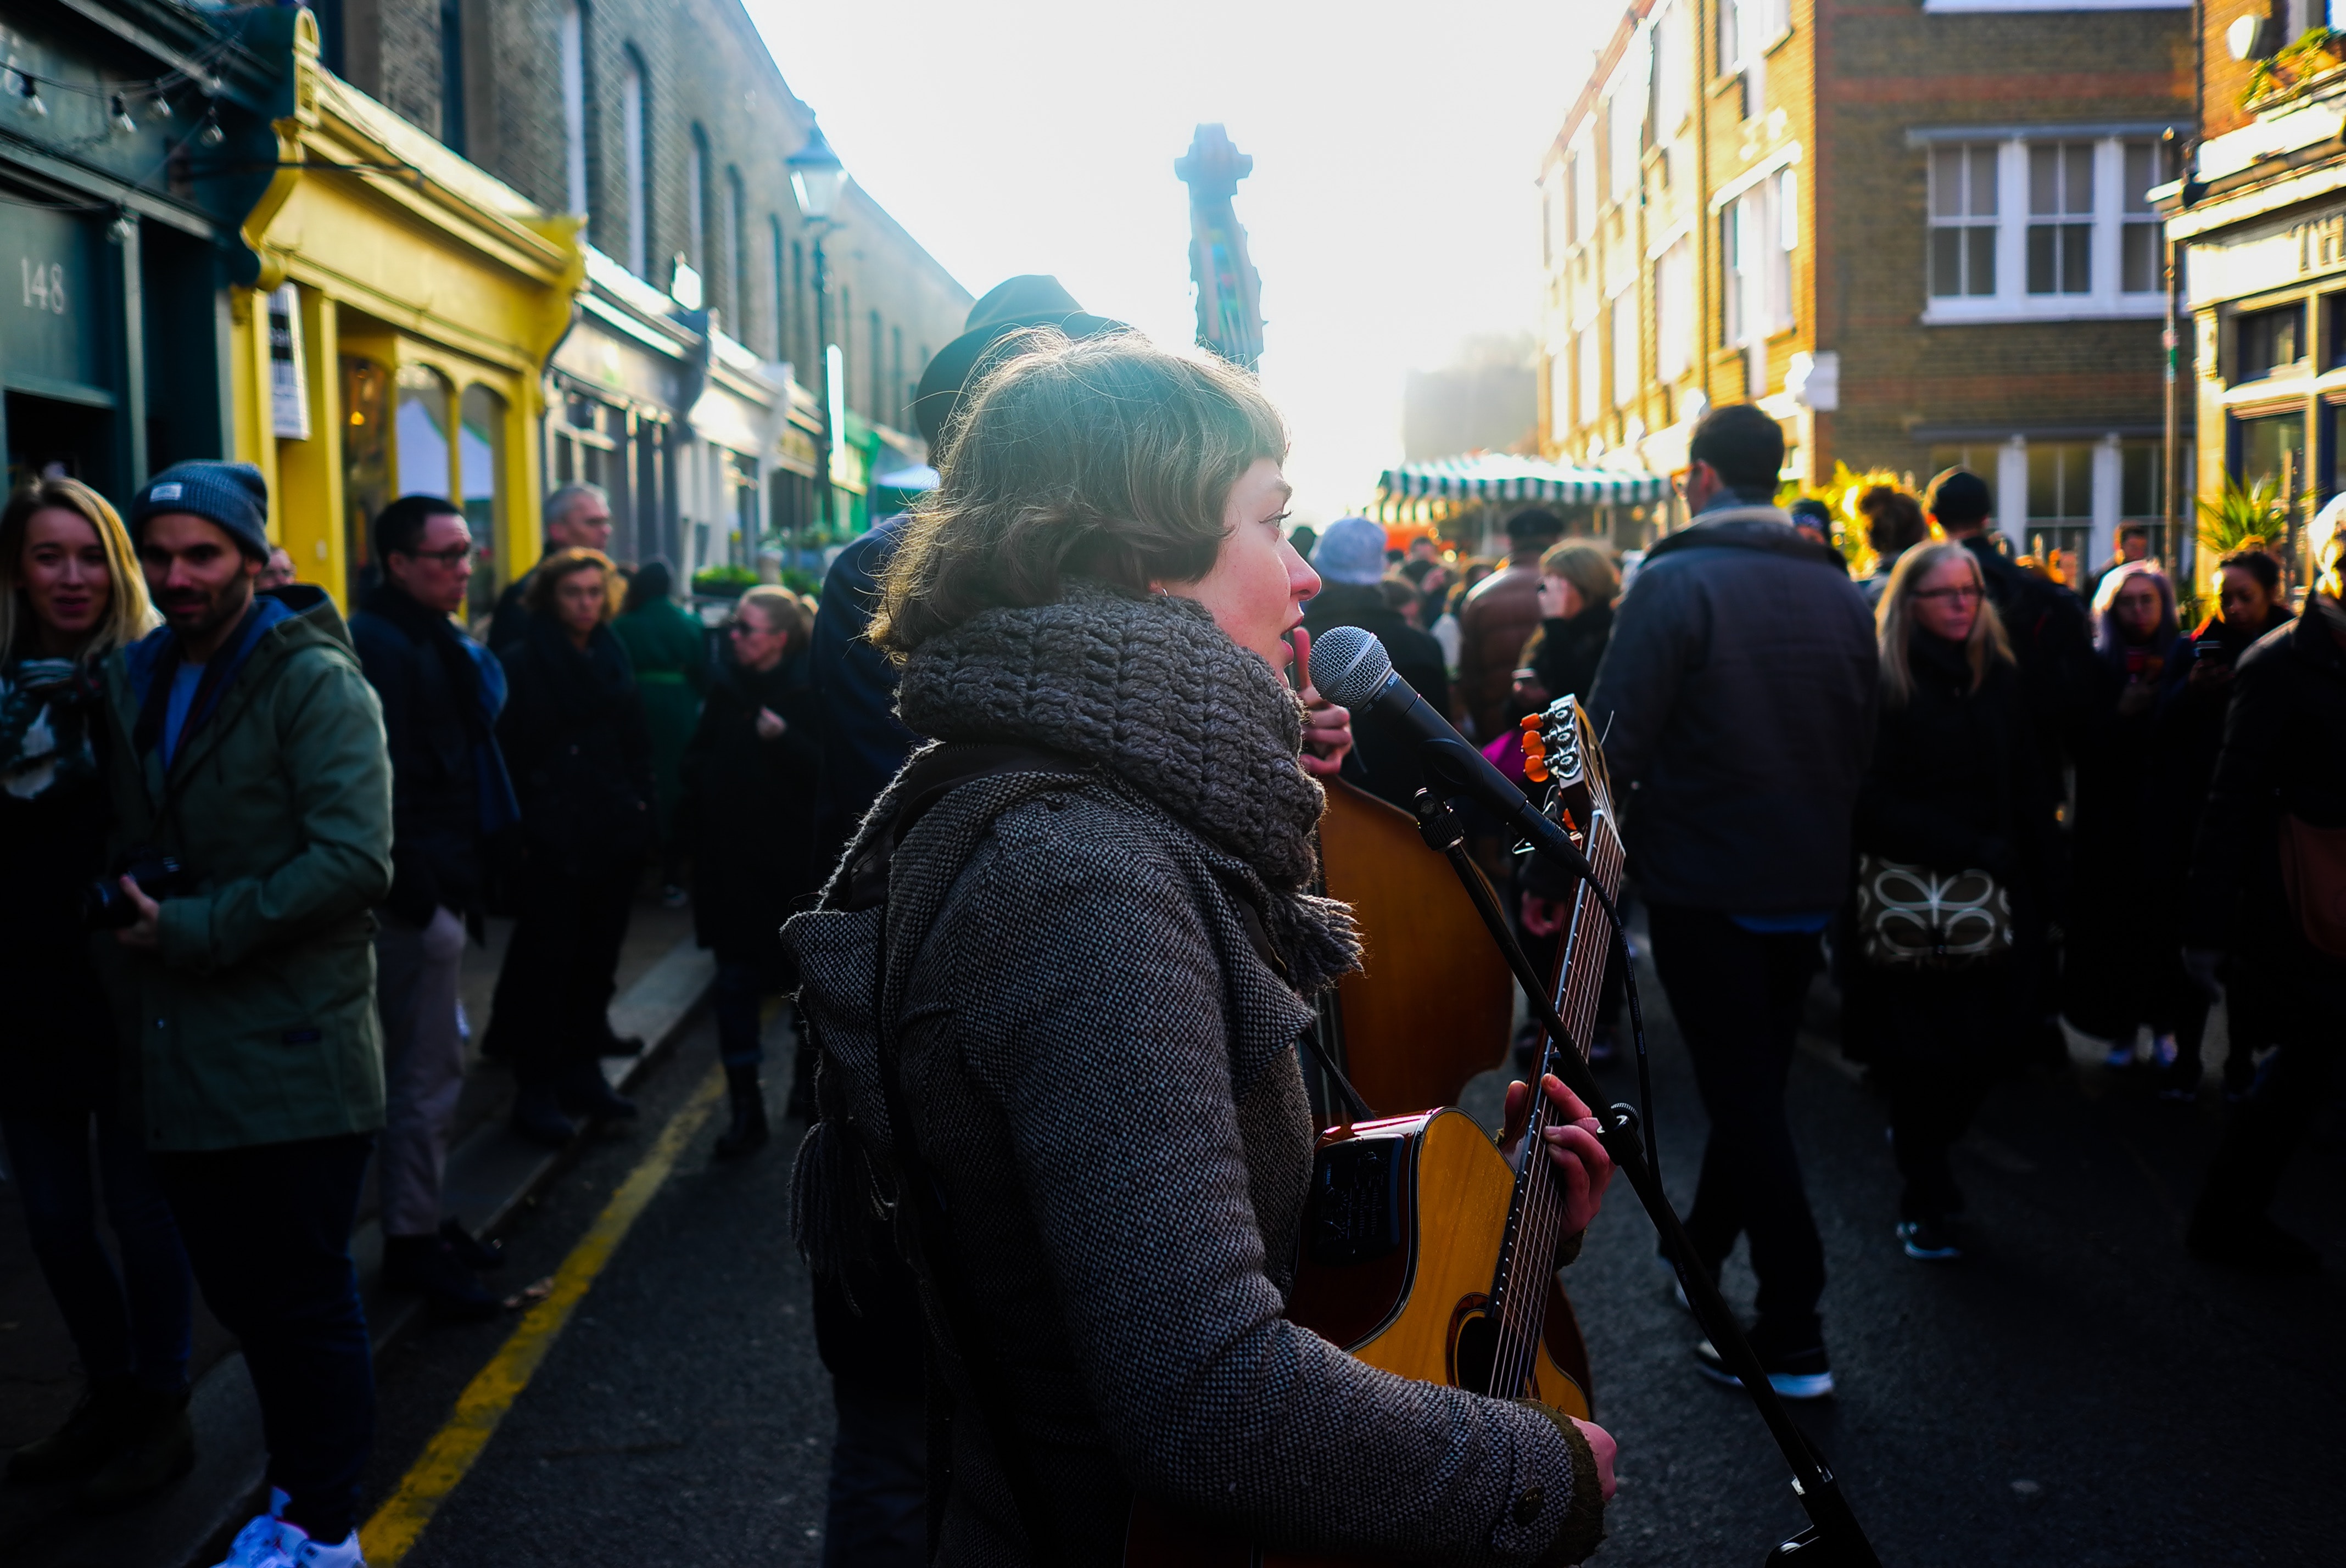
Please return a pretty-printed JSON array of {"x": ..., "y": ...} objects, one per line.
[
  {"x": 537, "y": 1117},
  {"x": 587, "y": 1093},
  {"x": 748, "y": 1129},
  {"x": 88, "y": 1437},
  {"x": 428, "y": 1266},
  {"x": 155, "y": 1447}
]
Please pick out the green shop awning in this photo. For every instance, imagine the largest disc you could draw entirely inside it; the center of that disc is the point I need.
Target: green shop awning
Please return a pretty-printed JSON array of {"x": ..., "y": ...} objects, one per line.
[{"x": 1489, "y": 476}]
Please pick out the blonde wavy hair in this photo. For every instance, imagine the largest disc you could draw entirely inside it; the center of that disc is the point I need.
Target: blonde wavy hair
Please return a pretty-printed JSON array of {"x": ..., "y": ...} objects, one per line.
[
  {"x": 130, "y": 615},
  {"x": 1894, "y": 618}
]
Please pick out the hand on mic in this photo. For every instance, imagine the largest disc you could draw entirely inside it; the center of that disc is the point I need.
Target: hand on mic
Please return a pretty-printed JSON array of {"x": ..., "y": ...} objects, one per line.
[{"x": 1327, "y": 728}]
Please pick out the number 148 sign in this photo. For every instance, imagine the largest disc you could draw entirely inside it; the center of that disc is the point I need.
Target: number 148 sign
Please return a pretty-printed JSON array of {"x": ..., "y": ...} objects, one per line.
[{"x": 45, "y": 285}]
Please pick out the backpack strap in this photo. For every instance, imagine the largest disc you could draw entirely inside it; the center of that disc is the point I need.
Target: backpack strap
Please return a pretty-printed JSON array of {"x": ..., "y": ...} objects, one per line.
[{"x": 930, "y": 1254}]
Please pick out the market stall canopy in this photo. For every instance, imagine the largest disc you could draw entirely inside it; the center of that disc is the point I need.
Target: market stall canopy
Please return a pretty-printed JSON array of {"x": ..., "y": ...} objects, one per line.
[{"x": 1496, "y": 476}]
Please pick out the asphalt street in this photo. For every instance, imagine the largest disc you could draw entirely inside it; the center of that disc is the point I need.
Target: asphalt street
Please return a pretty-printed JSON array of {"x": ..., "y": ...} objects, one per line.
[{"x": 2076, "y": 1391}]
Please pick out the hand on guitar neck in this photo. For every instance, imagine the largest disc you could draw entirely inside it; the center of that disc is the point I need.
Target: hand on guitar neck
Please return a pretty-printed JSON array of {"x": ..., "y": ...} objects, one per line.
[
  {"x": 1327, "y": 728},
  {"x": 1570, "y": 1129},
  {"x": 1582, "y": 1170}
]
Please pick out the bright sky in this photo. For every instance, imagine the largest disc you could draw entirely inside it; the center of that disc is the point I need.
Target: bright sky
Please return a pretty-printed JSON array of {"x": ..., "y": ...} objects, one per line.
[{"x": 1392, "y": 210}]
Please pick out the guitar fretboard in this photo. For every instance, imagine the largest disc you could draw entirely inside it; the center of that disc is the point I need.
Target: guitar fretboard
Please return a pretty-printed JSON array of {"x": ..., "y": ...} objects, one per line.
[{"x": 1535, "y": 1220}]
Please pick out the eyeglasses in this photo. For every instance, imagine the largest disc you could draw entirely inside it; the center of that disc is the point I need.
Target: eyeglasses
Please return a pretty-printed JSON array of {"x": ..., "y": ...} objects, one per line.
[
  {"x": 1968, "y": 592},
  {"x": 453, "y": 557},
  {"x": 745, "y": 629}
]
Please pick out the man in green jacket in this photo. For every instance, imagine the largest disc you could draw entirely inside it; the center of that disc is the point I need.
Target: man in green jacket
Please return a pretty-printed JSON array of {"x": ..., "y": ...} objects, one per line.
[{"x": 247, "y": 747}]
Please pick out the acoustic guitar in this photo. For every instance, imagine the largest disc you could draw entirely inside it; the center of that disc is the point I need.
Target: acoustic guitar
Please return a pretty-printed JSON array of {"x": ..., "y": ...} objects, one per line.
[{"x": 1424, "y": 1252}]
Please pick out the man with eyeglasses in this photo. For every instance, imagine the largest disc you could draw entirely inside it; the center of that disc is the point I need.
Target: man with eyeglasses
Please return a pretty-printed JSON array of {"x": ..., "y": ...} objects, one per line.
[{"x": 439, "y": 694}]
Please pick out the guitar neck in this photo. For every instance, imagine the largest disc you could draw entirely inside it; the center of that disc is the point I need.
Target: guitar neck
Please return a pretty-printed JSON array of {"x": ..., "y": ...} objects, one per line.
[{"x": 1535, "y": 1220}]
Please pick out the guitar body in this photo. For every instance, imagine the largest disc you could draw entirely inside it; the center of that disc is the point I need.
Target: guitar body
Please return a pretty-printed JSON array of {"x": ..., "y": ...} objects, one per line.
[
  {"x": 1434, "y": 1003},
  {"x": 1423, "y": 1252},
  {"x": 1401, "y": 1243}
]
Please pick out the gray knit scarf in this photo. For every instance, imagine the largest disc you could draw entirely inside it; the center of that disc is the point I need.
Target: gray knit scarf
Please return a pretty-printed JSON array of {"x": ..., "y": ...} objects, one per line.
[{"x": 1150, "y": 690}]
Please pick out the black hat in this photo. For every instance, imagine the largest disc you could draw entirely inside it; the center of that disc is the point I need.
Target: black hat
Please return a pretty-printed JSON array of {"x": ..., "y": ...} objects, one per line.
[
  {"x": 1957, "y": 498},
  {"x": 1030, "y": 299}
]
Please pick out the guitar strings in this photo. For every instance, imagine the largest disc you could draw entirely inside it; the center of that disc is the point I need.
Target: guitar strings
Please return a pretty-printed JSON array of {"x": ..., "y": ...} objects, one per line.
[{"x": 1517, "y": 1351}]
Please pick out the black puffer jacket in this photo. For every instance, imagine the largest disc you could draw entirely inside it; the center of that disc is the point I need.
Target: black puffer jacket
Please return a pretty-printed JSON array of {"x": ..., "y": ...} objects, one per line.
[
  {"x": 1736, "y": 705},
  {"x": 1104, "y": 1076},
  {"x": 435, "y": 725},
  {"x": 56, "y": 1035},
  {"x": 748, "y": 809},
  {"x": 1566, "y": 652},
  {"x": 2284, "y": 751},
  {"x": 573, "y": 734}
]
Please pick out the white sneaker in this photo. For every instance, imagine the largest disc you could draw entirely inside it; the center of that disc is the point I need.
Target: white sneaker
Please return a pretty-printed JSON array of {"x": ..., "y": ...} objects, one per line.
[
  {"x": 302, "y": 1552},
  {"x": 255, "y": 1544}
]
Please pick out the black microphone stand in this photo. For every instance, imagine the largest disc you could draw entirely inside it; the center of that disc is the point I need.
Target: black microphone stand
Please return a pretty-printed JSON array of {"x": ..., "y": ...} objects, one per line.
[{"x": 1833, "y": 1538}]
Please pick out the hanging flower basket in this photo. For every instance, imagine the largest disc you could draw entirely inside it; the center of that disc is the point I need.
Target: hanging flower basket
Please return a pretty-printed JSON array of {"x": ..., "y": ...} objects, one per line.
[{"x": 2317, "y": 55}]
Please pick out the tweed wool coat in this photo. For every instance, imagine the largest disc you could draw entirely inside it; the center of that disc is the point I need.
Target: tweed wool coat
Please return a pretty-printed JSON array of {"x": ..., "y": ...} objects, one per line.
[{"x": 1103, "y": 1076}]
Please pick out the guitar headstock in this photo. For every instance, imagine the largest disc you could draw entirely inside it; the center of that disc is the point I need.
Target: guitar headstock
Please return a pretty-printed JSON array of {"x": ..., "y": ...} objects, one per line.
[{"x": 1561, "y": 751}]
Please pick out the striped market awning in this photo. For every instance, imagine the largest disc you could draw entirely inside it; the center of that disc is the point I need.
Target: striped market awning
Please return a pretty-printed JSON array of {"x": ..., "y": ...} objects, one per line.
[{"x": 1493, "y": 476}]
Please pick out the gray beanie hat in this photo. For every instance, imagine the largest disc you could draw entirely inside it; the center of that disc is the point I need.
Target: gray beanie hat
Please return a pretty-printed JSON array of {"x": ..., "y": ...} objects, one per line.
[
  {"x": 232, "y": 494},
  {"x": 1352, "y": 550}
]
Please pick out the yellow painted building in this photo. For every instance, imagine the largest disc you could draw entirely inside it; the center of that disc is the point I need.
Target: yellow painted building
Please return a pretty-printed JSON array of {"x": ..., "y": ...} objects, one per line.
[{"x": 395, "y": 338}]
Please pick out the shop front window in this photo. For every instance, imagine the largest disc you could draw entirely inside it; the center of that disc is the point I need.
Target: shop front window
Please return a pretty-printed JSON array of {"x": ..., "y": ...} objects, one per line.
[
  {"x": 366, "y": 467},
  {"x": 2142, "y": 493},
  {"x": 2272, "y": 447},
  {"x": 480, "y": 459},
  {"x": 2060, "y": 499},
  {"x": 420, "y": 441}
]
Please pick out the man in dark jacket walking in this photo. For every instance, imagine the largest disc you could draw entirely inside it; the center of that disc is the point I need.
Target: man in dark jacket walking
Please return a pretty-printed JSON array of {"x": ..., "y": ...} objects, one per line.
[
  {"x": 2267, "y": 871},
  {"x": 1351, "y": 560},
  {"x": 244, "y": 743},
  {"x": 1498, "y": 617},
  {"x": 1736, "y": 699},
  {"x": 448, "y": 788}
]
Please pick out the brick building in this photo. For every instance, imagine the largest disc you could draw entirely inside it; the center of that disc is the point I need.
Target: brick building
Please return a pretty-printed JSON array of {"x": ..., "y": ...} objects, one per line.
[
  {"x": 2261, "y": 224},
  {"x": 1917, "y": 234},
  {"x": 666, "y": 123}
]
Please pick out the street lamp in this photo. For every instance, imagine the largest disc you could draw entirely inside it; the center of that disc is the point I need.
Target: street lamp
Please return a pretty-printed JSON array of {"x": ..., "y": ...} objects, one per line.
[{"x": 817, "y": 178}]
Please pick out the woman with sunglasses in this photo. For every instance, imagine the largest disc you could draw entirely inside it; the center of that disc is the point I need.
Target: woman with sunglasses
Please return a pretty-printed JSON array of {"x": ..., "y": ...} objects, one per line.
[
  {"x": 748, "y": 779},
  {"x": 1953, "y": 789}
]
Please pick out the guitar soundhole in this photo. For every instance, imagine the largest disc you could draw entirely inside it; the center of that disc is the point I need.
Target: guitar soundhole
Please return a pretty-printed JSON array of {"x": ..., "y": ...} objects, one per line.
[{"x": 1472, "y": 1345}]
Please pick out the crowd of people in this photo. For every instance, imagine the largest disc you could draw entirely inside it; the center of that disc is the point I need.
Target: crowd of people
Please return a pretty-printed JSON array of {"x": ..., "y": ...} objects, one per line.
[
  {"x": 1989, "y": 803},
  {"x": 245, "y": 845}
]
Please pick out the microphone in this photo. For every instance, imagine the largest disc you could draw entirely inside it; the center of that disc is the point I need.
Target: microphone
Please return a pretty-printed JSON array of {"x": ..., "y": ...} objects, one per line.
[{"x": 1351, "y": 669}]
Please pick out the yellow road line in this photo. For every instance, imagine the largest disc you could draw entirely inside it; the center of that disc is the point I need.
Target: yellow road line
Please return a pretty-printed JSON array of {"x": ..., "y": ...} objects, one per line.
[{"x": 392, "y": 1532}]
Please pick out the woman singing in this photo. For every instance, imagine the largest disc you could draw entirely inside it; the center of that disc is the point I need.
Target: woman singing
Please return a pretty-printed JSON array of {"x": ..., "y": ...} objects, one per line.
[{"x": 1098, "y": 946}]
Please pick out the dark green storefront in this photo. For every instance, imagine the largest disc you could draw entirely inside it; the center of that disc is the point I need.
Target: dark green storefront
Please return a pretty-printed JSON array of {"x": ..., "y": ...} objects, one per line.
[{"x": 127, "y": 127}]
